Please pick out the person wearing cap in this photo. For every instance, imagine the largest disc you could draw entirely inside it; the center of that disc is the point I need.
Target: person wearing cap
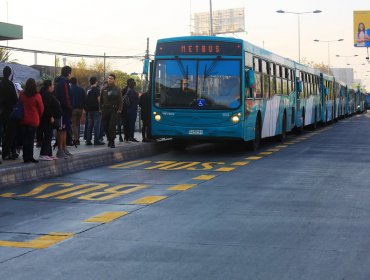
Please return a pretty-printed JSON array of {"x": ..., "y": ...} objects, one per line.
[
  {"x": 111, "y": 105},
  {"x": 8, "y": 97}
]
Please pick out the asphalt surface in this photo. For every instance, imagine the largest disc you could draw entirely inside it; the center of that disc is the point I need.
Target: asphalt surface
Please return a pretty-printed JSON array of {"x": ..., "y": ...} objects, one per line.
[{"x": 293, "y": 210}]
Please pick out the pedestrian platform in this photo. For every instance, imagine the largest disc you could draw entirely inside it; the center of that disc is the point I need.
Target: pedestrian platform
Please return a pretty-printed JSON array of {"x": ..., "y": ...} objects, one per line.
[{"x": 16, "y": 172}]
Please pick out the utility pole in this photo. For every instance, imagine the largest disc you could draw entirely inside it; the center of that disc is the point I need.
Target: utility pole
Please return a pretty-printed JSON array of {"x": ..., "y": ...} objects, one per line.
[
  {"x": 104, "y": 68},
  {"x": 210, "y": 18}
]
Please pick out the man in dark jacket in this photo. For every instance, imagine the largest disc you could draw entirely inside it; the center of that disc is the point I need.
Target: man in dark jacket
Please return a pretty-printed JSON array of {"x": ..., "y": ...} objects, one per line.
[
  {"x": 93, "y": 114},
  {"x": 145, "y": 106},
  {"x": 63, "y": 94},
  {"x": 8, "y": 97},
  {"x": 111, "y": 105},
  {"x": 132, "y": 109}
]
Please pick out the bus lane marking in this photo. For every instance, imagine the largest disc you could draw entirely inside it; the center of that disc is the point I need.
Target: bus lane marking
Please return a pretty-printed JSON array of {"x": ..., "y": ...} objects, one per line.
[
  {"x": 273, "y": 150},
  {"x": 38, "y": 243},
  {"x": 182, "y": 187},
  {"x": 265, "y": 153},
  {"x": 225, "y": 169},
  {"x": 130, "y": 164},
  {"x": 88, "y": 191},
  {"x": 204, "y": 177},
  {"x": 148, "y": 200},
  {"x": 254, "y": 158},
  {"x": 106, "y": 217},
  {"x": 36, "y": 190},
  {"x": 240, "y": 163}
]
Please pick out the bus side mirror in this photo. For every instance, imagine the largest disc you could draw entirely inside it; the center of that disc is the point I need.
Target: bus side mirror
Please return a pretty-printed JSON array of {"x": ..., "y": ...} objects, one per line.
[
  {"x": 250, "y": 81},
  {"x": 299, "y": 86}
]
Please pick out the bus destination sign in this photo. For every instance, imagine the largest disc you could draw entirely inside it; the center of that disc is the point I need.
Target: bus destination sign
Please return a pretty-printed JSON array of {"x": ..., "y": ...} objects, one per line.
[{"x": 199, "y": 48}]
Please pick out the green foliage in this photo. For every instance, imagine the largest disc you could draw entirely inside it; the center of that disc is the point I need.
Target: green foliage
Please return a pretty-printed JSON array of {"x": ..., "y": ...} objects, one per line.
[
  {"x": 5, "y": 56},
  {"x": 82, "y": 71}
]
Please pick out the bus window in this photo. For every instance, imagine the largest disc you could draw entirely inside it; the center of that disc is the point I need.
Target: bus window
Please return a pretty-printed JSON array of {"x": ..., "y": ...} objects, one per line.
[
  {"x": 264, "y": 67},
  {"x": 272, "y": 79},
  {"x": 248, "y": 60}
]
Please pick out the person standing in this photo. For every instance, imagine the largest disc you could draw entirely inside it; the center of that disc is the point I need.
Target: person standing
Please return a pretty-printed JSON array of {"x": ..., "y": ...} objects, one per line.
[
  {"x": 78, "y": 105},
  {"x": 144, "y": 103},
  {"x": 63, "y": 94},
  {"x": 132, "y": 109},
  {"x": 9, "y": 98},
  {"x": 49, "y": 120},
  {"x": 93, "y": 114},
  {"x": 33, "y": 108},
  {"x": 111, "y": 105}
]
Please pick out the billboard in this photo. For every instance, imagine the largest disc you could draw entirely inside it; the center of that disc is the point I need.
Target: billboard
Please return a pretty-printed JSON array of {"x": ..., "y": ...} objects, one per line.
[
  {"x": 361, "y": 28},
  {"x": 224, "y": 21}
]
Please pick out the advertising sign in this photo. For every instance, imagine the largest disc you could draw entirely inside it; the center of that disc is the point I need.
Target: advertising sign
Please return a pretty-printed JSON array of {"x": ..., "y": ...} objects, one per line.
[{"x": 361, "y": 28}]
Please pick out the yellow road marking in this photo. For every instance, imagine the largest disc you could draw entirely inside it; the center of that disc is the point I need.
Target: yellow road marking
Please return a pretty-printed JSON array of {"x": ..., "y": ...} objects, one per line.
[
  {"x": 97, "y": 186},
  {"x": 225, "y": 169},
  {"x": 204, "y": 177},
  {"x": 130, "y": 164},
  {"x": 105, "y": 217},
  {"x": 240, "y": 163},
  {"x": 290, "y": 143},
  {"x": 273, "y": 150},
  {"x": 265, "y": 153},
  {"x": 39, "y": 243},
  {"x": 281, "y": 146},
  {"x": 254, "y": 158},
  {"x": 148, "y": 200},
  {"x": 181, "y": 187}
]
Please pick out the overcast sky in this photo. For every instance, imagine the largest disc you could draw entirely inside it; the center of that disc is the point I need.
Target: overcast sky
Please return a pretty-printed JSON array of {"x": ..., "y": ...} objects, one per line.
[{"x": 119, "y": 27}]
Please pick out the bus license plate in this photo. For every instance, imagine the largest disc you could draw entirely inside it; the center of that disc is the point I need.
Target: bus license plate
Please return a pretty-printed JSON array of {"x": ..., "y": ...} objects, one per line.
[{"x": 195, "y": 132}]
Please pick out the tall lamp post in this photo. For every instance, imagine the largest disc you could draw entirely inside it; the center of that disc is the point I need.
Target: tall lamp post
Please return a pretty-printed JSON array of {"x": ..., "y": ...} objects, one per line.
[
  {"x": 210, "y": 18},
  {"x": 328, "y": 41},
  {"x": 299, "y": 26},
  {"x": 347, "y": 56}
]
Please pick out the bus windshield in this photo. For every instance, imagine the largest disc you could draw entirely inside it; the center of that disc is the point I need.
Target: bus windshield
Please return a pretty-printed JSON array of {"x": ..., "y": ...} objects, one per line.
[{"x": 198, "y": 84}]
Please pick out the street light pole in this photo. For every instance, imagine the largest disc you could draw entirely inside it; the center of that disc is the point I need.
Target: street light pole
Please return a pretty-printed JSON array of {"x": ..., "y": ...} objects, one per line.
[
  {"x": 328, "y": 41},
  {"x": 299, "y": 26},
  {"x": 210, "y": 18}
]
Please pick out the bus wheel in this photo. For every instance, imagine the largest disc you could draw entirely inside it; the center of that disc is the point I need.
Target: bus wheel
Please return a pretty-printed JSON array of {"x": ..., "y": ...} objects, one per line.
[
  {"x": 282, "y": 136},
  {"x": 256, "y": 142},
  {"x": 179, "y": 144}
]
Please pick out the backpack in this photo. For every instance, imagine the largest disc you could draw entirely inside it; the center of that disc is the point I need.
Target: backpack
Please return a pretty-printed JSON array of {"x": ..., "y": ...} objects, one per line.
[
  {"x": 126, "y": 101},
  {"x": 18, "y": 111}
]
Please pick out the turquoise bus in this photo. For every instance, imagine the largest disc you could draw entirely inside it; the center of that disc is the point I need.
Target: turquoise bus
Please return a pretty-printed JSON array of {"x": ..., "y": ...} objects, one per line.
[{"x": 214, "y": 88}]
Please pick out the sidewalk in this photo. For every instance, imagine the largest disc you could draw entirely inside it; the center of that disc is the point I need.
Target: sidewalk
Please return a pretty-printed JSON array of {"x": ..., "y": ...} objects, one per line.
[{"x": 16, "y": 172}]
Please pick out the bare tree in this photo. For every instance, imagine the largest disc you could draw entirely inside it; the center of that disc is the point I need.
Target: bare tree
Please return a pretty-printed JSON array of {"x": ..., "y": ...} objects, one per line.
[{"x": 5, "y": 56}]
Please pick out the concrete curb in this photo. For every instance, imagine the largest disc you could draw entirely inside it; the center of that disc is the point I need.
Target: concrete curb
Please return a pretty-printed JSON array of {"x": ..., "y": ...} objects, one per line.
[{"x": 27, "y": 173}]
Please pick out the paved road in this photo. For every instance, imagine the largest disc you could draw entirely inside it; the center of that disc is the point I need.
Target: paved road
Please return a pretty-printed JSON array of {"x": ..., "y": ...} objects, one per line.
[{"x": 297, "y": 210}]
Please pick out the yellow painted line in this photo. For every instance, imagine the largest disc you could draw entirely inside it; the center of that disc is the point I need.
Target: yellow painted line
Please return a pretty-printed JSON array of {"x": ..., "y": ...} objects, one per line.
[
  {"x": 39, "y": 243},
  {"x": 273, "y": 150},
  {"x": 130, "y": 164},
  {"x": 181, "y": 187},
  {"x": 204, "y": 177},
  {"x": 281, "y": 146},
  {"x": 148, "y": 200},
  {"x": 265, "y": 153},
  {"x": 240, "y": 163},
  {"x": 254, "y": 158},
  {"x": 105, "y": 217},
  {"x": 225, "y": 169},
  {"x": 290, "y": 143}
]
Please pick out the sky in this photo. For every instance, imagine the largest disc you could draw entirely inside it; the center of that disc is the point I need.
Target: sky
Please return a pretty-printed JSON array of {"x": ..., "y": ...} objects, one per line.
[{"x": 118, "y": 27}]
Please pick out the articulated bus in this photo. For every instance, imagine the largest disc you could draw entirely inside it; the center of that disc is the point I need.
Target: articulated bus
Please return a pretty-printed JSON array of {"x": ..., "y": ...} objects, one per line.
[{"x": 210, "y": 88}]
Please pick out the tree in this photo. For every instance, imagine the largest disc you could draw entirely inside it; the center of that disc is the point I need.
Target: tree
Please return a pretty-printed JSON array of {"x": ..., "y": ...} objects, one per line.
[
  {"x": 320, "y": 66},
  {"x": 5, "y": 56}
]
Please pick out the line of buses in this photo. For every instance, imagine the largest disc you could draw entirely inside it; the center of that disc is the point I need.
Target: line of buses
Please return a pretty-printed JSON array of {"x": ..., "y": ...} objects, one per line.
[{"x": 213, "y": 88}]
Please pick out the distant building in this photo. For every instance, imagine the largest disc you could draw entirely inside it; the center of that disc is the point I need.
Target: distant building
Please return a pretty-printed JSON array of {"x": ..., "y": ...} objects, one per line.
[
  {"x": 21, "y": 72},
  {"x": 48, "y": 71},
  {"x": 344, "y": 74}
]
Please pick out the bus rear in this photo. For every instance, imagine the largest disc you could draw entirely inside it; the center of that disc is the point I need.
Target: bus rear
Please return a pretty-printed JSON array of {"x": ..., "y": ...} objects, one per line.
[{"x": 197, "y": 89}]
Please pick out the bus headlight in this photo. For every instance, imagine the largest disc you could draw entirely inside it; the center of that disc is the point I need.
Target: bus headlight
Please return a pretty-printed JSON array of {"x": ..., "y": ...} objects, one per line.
[
  {"x": 235, "y": 119},
  {"x": 157, "y": 118}
]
